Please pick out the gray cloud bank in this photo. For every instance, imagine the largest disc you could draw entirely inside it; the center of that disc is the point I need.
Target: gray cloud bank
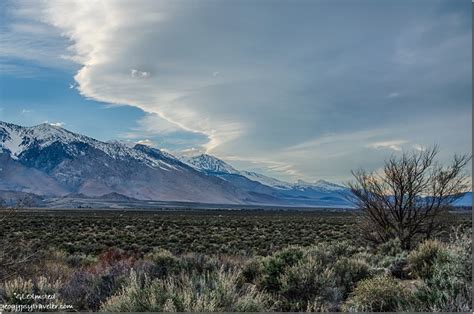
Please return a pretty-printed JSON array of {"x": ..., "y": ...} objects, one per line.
[{"x": 305, "y": 89}]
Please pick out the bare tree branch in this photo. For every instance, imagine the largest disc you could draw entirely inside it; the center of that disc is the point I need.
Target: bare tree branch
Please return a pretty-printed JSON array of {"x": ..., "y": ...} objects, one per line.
[{"x": 408, "y": 197}]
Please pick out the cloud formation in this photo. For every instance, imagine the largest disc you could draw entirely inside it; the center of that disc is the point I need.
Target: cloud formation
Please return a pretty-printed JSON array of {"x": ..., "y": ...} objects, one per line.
[
  {"x": 300, "y": 87},
  {"x": 395, "y": 145}
]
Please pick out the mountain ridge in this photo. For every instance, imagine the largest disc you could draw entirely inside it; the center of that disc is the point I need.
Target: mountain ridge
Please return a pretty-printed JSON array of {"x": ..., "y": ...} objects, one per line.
[{"x": 52, "y": 161}]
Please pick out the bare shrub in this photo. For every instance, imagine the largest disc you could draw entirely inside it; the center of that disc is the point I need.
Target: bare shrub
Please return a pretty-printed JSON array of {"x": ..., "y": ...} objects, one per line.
[{"x": 410, "y": 195}]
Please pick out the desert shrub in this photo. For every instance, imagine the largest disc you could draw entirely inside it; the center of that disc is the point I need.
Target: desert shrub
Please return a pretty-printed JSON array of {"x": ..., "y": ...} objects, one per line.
[
  {"x": 164, "y": 262},
  {"x": 138, "y": 295},
  {"x": 329, "y": 252},
  {"x": 274, "y": 265},
  {"x": 217, "y": 291},
  {"x": 338, "y": 249},
  {"x": 460, "y": 246},
  {"x": 392, "y": 247},
  {"x": 114, "y": 255},
  {"x": 252, "y": 300},
  {"x": 348, "y": 272},
  {"x": 81, "y": 291},
  {"x": 399, "y": 267},
  {"x": 199, "y": 263},
  {"x": 387, "y": 258},
  {"x": 378, "y": 294},
  {"x": 307, "y": 280},
  {"x": 15, "y": 290},
  {"x": 445, "y": 290},
  {"x": 14, "y": 287},
  {"x": 80, "y": 260},
  {"x": 251, "y": 271},
  {"x": 449, "y": 286},
  {"x": 423, "y": 258},
  {"x": 86, "y": 289}
]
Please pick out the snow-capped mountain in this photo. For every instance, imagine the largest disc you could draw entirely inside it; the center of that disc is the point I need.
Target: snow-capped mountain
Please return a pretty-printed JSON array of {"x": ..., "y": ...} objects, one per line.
[
  {"x": 213, "y": 165},
  {"x": 210, "y": 164},
  {"x": 50, "y": 160},
  {"x": 318, "y": 193},
  {"x": 265, "y": 180},
  {"x": 18, "y": 140},
  {"x": 322, "y": 185}
]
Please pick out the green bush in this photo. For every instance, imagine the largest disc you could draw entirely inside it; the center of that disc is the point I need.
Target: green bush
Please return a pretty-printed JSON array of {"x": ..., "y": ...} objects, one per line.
[
  {"x": 139, "y": 295},
  {"x": 329, "y": 252},
  {"x": 339, "y": 249},
  {"x": 449, "y": 287},
  {"x": 79, "y": 260},
  {"x": 399, "y": 267},
  {"x": 251, "y": 271},
  {"x": 445, "y": 290},
  {"x": 14, "y": 287},
  {"x": 378, "y": 294},
  {"x": 15, "y": 290},
  {"x": 210, "y": 292},
  {"x": 199, "y": 263},
  {"x": 164, "y": 262},
  {"x": 423, "y": 258},
  {"x": 274, "y": 265},
  {"x": 393, "y": 247},
  {"x": 307, "y": 280},
  {"x": 348, "y": 272}
]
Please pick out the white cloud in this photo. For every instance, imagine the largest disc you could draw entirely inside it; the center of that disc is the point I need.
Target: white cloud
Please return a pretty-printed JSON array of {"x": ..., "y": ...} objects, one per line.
[
  {"x": 150, "y": 125},
  {"x": 139, "y": 74},
  {"x": 146, "y": 142},
  {"x": 419, "y": 147},
  {"x": 58, "y": 124},
  {"x": 25, "y": 37},
  {"x": 301, "y": 105},
  {"x": 395, "y": 145},
  {"x": 26, "y": 111},
  {"x": 193, "y": 151}
]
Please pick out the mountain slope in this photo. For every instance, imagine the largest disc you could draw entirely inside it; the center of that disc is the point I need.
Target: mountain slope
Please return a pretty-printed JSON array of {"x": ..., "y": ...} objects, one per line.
[
  {"x": 320, "y": 193},
  {"x": 209, "y": 164},
  {"x": 465, "y": 200},
  {"x": 60, "y": 162},
  {"x": 52, "y": 161}
]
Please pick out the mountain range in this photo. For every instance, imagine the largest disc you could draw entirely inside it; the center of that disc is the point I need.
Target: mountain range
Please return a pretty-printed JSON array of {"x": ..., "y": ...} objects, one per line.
[
  {"x": 54, "y": 163},
  {"x": 51, "y": 161}
]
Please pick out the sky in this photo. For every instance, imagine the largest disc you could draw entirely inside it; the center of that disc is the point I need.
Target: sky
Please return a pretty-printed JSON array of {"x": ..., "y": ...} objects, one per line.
[{"x": 293, "y": 89}]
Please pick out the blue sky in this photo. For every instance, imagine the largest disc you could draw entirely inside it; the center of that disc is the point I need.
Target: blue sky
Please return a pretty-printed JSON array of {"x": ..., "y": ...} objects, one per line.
[{"x": 297, "y": 90}]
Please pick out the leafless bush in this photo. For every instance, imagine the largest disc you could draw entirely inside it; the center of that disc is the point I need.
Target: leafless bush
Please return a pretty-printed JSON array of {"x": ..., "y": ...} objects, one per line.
[{"x": 408, "y": 197}]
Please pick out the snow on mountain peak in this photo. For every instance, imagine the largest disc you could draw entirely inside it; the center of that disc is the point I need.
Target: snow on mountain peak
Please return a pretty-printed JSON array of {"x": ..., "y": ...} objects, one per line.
[
  {"x": 265, "y": 180},
  {"x": 320, "y": 185},
  {"x": 209, "y": 163},
  {"x": 17, "y": 139}
]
